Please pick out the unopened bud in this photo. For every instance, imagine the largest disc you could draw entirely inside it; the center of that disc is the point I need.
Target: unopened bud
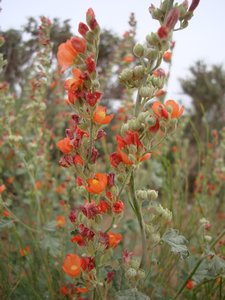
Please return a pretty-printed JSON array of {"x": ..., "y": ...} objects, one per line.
[
  {"x": 145, "y": 92},
  {"x": 152, "y": 39},
  {"x": 172, "y": 18},
  {"x": 141, "y": 274},
  {"x": 152, "y": 195},
  {"x": 126, "y": 75},
  {"x": 151, "y": 54},
  {"x": 131, "y": 273},
  {"x": 208, "y": 238},
  {"x": 139, "y": 72},
  {"x": 193, "y": 5},
  {"x": 138, "y": 50}
]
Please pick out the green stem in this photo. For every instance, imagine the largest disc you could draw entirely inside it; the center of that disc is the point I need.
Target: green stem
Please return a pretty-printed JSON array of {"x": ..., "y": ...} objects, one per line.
[
  {"x": 138, "y": 213},
  {"x": 197, "y": 265},
  {"x": 124, "y": 183}
]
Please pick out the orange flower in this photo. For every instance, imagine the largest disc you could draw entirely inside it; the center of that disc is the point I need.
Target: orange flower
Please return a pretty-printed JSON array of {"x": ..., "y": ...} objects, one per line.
[
  {"x": 10, "y": 180},
  {"x": 167, "y": 56},
  {"x": 82, "y": 290},
  {"x": 60, "y": 221},
  {"x": 72, "y": 265},
  {"x": 73, "y": 84},
  {"x": 38, "y": 185},
  {"x": 190, "y": 284},
  {"x": 65, "y": 146},
  {"x": 25, "y": 251},
  {"x": 2, "y": 188},
  {"x": 64, "y": 290},
  {"x": 77, "y": 160},
  {"x": 114, "y": 239},
  {"x": 97, "y": 184},
  {"x": 6, "y": 213},
  {"x": 66, "y": 55},
  {"x": 100, "y": 116},
  {"x": 128, "y": 58},
  {"x": 162, "y": 110}
]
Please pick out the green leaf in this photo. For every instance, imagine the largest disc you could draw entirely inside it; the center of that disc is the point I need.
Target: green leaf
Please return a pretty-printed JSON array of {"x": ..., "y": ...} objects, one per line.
[
  {"x": 131, "y": 294},
  {"x": 52, "y": 244},
  {"x": 6, "y": 224},
  {"x": 217, "y": 266},
  {"x": 50, "y": 226},
  {"x": 176, "y": 242}
]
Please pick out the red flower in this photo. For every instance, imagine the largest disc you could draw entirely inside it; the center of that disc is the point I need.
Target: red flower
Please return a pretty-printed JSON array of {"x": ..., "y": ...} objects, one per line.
[
  {"x": 90, "y": 64},
  {"x": 115, "y": 159},
  {"x": 78, "y": 239},
  {"x": 93, "y": 98},
  {"x": 78, "y": 160},
  {"x": 72, "y": 265},
  {"x": 64, "y": 290},
  {"x": 65, "y": 146},
  {"x": 118, "y": 207},
  {"x": 103, "y": 207},
  {"x": 190, "y": 284},
  {"x": 100, "y": 117},
  {"x": 97, "y": 184},
  {"x": 163, "y": 32},
  {"x": 82, "y": 29}
]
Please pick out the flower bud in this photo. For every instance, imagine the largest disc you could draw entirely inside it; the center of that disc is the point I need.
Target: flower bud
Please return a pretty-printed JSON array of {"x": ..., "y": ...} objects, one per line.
[
  {"x": 193, "y": 5},
  {"x": 151, "y": 54},
  {"x": 131, "y": 273},
  {"x": 126, "y": 75},
  {"x": 208, "y": 238},
  {"x": 172, "y": 18},
  {"x": 139, "y": 72},
  {"x": 152, "y": 195},
  {"x": 135, "y": 263},
  {"x": 141, "y": 274},
  {"x": 152, "y": 39},
  {"x": 145, "y": 92},
  {"x": 138, "y": 50}
]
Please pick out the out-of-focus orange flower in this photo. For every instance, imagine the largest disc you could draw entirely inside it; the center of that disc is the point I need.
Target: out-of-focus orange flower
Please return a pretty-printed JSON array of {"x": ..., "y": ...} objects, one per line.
[
  {"x": 167, "y": 56},
  {"x": 6, "y": 213},
  {"x": 72, "y": 84},
  {"x": 60, "y": 221},
  {"x": 160, "y": 93},
  {"x": 190, "y": 284},
  {"x": 64, "y": 290},
  {"x": 66, "y": 55},
  {"x": 162, "y": 110},
  {"x": 78, "y": 160},
  {"x": 128, "y": 58},
  {"x": 72, "y": 265},
  {"x": 79, "y": 44},
  {"x": 97, "y": 184},
  {"x": 100, "y": 116},
  {"x": 38, "y": 185},
  {"x": 53, "y": 84},
  {"x": 114, "y": 239},
  {"x": 25, "y": 251},
  {"x": 65, "y": 145},
  {"x": 60, "y": 188},
  {"x": 10, "y": 180},
  {"x": 2, "y": 188},
  {"x": 82, "y": 290},
  {"x": 78, "y": 239}
]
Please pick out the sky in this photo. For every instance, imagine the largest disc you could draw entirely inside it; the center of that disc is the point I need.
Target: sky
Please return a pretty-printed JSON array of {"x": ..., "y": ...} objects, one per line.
[{"x": 204, "y": 39}]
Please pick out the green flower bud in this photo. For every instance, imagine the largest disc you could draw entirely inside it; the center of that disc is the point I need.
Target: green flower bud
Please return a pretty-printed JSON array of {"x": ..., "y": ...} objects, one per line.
[
  {"x": 153, "y": 39},
  {"x": 152, "y": 195},
  {"x": 151, "y": 54},
  {"x": 124, "y": 128},
  {"x": 142, "y": 194},
  {"x": 145, "y": 92},
  {"x": 139, "y": 72},
  {"x": 151, "y": 120},
  {"x": 141, "y": 274},
  {"x": 135, "y": 263},
  {"x": 138, "y": 50},
  {"x": 131, "y": 273},
  {"x": 126, "y": 75},
  {"x": 208, "y": 238}
]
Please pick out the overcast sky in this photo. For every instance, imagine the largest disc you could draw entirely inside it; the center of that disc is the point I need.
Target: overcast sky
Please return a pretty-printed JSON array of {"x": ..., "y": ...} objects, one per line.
[{"x": 204, "y": 38}]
